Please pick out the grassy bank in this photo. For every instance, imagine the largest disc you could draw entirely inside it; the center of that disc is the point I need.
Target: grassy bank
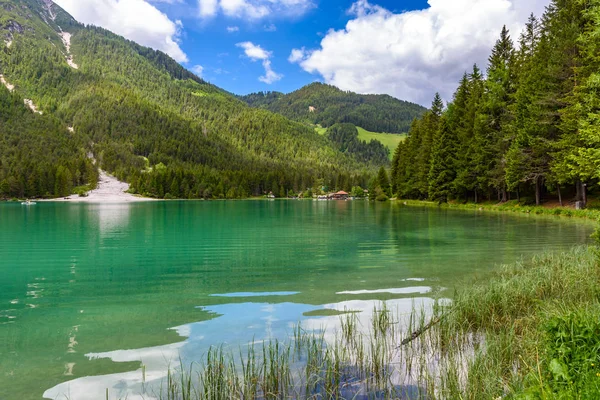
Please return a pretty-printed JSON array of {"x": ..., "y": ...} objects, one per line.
[
  {"x": 532, "y": 331},
  {"x": 511, "y": 206}
]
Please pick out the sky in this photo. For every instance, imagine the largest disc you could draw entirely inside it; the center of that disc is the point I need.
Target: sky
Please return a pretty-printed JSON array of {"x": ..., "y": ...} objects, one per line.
[{"x": 409, "y": 49}]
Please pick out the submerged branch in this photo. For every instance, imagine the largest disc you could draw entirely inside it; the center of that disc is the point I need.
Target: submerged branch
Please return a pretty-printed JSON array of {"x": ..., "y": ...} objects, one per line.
[{"x": 421, "y": 331}]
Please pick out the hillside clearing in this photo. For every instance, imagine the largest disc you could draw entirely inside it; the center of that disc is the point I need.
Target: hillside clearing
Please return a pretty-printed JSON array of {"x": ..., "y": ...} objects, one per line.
[{"x": 389, "y": 140}]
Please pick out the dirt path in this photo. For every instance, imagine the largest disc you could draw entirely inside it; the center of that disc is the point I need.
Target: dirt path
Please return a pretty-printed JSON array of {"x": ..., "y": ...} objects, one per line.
[{"x": 109, "y": 190}]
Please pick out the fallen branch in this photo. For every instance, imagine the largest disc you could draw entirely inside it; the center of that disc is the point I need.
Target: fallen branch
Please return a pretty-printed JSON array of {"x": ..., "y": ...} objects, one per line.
[{"x": 421, "y": 331}]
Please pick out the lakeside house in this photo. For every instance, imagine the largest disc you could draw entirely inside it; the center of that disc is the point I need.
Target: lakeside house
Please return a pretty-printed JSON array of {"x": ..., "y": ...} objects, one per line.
[{"x": 341, "y": 195}]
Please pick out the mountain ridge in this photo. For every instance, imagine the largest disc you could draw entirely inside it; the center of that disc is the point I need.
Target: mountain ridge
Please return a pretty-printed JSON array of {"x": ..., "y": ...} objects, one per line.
[
  {"x": 152, "y": 123},
  {"x": 326, "y": 105}
]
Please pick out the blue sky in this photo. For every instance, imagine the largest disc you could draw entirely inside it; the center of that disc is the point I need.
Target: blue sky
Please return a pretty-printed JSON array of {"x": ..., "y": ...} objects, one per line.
[
  {"x": 209, "y": 44},
  {"x": 409, "y": 49}
]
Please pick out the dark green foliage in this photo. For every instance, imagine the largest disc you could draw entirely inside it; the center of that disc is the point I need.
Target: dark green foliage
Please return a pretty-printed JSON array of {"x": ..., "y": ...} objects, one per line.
[
  {"x": 152, "y": 123},
  {"x": 375, "y": 113},
  {"x": 529, "y": 128},
  {"x": 38, "y": 155},
  {"x": 380, "y": 188},
  {"x": 345, "y": 139},
  {"x": 442, "y": 172},
  {"x": 573, "y": 348}
]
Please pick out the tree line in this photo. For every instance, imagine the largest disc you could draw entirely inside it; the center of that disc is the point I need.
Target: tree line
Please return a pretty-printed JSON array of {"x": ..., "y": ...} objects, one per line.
[{"x": 526, "y": 129}]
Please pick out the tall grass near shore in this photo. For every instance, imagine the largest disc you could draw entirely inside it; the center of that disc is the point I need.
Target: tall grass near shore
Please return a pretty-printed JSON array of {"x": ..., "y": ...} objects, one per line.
[{"x": 530, "y": 332}]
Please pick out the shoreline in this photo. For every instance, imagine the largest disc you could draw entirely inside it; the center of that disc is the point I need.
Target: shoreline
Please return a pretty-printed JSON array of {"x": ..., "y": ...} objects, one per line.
[
  {"x": 109, "y": 190},
  {"x": 511, "y": 207}
]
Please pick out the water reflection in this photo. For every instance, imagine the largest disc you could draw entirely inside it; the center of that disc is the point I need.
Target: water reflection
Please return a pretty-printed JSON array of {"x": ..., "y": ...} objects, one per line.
[
  {"x": 123, "y": 274},
  {"x": 232, "y": 327},
  {"x": 112, "y": 218}
]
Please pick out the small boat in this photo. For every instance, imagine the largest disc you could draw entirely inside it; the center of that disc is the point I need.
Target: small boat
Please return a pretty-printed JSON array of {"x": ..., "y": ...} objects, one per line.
[{"x": 28, "y": 203}]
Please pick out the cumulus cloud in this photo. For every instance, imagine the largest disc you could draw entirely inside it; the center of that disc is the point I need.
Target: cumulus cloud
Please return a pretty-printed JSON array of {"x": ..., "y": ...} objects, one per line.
[
  {"x": 208, "y": 8},
  {"x": 136, "y": 20},
  {"x": 232, "y": 29},
  {"x": 254, "y": 51},
  {"x": 297, "y": 55},
  {"x": 257, "y": 53},
  {"x": 198, "y": 70},
  {"x": 411, "y": 55},
  {"x": 253, "y": 9}
]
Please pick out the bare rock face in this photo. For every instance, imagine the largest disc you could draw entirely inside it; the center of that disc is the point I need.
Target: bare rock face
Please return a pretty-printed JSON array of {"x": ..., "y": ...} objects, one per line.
[
  {"x": 14, "y": 27},
  {"x": 48, "y": 7}
]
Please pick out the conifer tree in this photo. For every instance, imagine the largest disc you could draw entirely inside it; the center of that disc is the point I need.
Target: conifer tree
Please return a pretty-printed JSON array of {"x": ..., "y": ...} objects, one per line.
[
  {"x": 494, "y": 116},
  {"x": 443, "y": 163},
  {"x": 578, "y": 158}
]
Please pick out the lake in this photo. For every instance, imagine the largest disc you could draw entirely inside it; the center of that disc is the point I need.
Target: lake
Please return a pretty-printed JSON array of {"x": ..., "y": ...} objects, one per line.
[{"x": 89, "y": 291}]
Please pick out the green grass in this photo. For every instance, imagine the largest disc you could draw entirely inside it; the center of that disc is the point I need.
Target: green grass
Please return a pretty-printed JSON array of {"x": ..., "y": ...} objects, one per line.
[
  {"x": 320, "y": 130},
  {"x": 513, "y": 206},
  {"x": 389, "y": 140}
]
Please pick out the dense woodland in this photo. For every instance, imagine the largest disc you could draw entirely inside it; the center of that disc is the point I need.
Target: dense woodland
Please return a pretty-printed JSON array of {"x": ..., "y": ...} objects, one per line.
[
  {"x": 345, "y": 138},
  {"x": 38, "y": 155},
  {"x": 150, "y": 122},
  {"x": 527, "y": 129},
  {"x": 375, "y": 113}
]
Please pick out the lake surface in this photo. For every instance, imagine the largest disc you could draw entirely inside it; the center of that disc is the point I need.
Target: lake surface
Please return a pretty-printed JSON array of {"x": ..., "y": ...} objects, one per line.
[{"x": 87, "y": 292}]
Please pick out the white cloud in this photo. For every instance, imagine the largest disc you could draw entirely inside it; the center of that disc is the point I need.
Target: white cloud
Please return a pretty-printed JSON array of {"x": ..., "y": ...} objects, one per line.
[
  {"x": 255, "y": 52},
  {"x": 270, "y": 76},
  {"x": 198, "y": 70},
  {"x": 136, "y": 20},
  {"x": 297, "y": 55},
  {"x": 208, "y": 8},
  {"x": 232, "y": 29},
  {"x": 412, "y": 55},
  {"x": 254, "y": 9},
  {"x": 270, "y": 28}
]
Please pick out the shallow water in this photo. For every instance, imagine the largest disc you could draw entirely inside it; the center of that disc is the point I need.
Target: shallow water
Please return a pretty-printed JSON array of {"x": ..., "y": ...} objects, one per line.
[{"x": 87, "y": 292}]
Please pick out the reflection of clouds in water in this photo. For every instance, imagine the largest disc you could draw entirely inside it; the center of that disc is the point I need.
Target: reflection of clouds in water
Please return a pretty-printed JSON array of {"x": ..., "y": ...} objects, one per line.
[
  {"x": 407, "y": 290},
  {"x": 253, "y": 294},
  {"x": 112, "y": 218},
  {"x": 122, "y": 385},
  {"x": 235, "y": 325},
  {"x": 364, "y": 310}
]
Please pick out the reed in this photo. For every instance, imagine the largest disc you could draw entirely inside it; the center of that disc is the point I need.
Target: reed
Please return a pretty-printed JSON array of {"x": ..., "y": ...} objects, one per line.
[{"x": 531, "y": 331}]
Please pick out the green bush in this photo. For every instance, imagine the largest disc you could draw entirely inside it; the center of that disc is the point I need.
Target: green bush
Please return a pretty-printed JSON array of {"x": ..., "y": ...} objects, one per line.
[{"x": 382, "y": 197}]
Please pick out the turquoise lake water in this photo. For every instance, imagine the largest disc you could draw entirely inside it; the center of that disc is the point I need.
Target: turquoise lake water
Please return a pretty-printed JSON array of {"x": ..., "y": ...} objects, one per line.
[{"x": 88, "y": 292}]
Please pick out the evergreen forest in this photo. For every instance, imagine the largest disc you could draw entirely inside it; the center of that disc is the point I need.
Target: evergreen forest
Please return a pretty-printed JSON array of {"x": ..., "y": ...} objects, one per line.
[
  {"x": 103, "y": 101},
  {"x": 326, "y": 105},
  {"x": 527, "y": 128}
]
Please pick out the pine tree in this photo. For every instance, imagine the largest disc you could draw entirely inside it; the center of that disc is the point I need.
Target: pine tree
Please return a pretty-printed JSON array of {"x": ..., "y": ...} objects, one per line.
[
  {"x": 383, "y": 182},
  {"x": 528, "y": 159},
  {"x": 494, "y": 117},
  {"x": 578, "y": 158},
  {"x": 443, "y": 164}
]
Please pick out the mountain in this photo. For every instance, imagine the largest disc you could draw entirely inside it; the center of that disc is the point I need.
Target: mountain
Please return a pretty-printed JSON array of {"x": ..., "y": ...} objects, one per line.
[
  {"x": 327, "y": 105},
  {"x": 142, "y": 117}
]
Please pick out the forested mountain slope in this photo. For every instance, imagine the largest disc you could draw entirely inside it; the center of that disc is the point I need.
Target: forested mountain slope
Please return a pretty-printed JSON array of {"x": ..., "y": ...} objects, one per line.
[
  {"x": 327, "y": 105},
  {"x": 529, "y": 127},
  {"x": 148, "y": 120}
]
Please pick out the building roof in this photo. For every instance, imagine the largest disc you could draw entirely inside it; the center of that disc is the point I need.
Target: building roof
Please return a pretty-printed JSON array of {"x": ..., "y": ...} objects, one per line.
[{"x": 342, "y": 193}]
